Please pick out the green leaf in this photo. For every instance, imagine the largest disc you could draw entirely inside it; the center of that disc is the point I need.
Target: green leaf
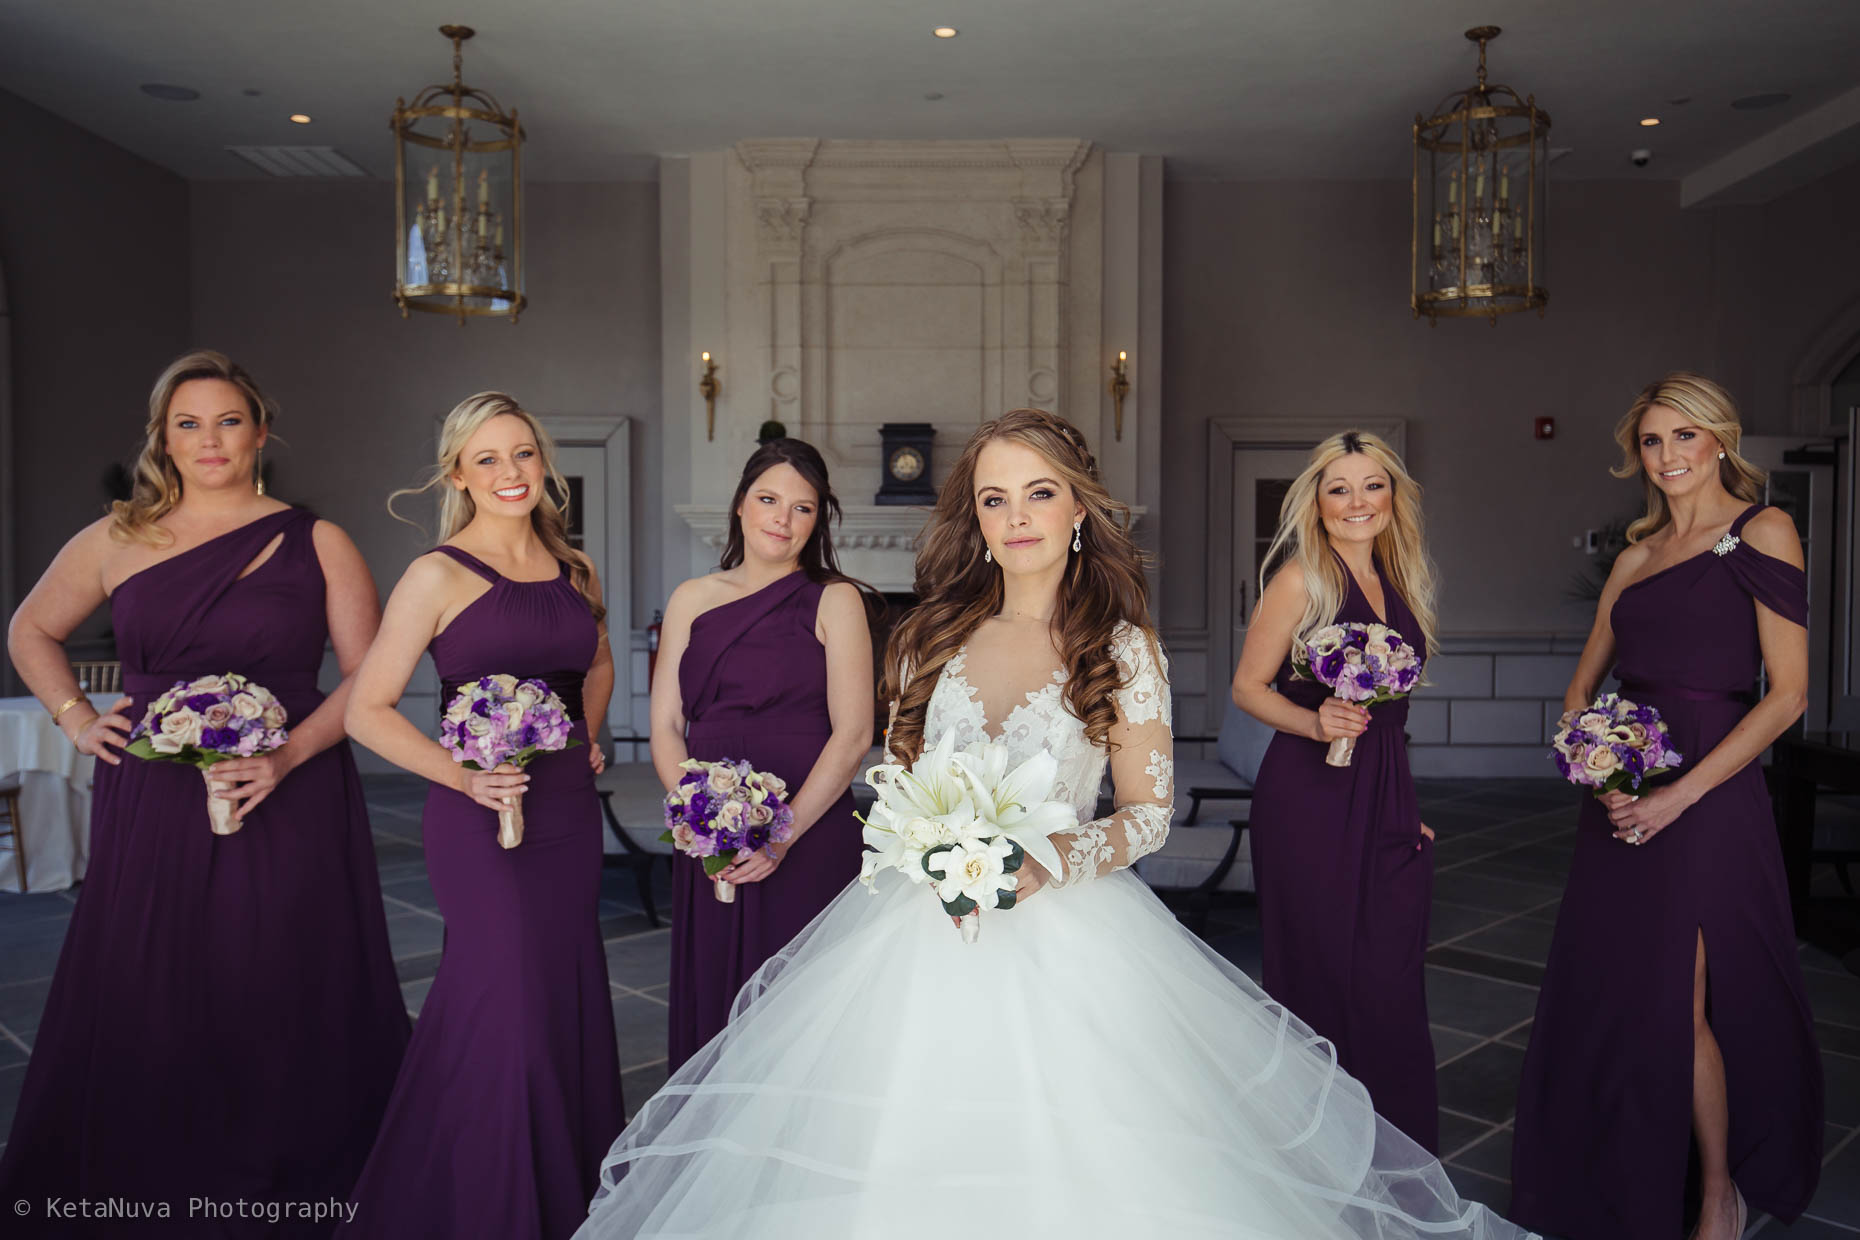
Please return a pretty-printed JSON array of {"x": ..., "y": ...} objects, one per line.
[
  {"x": 1012, "y": 862},
  {"x": 1005, "y": 899},
  {"x": 665, "y": 837},
  {"x": 141, "y": 748},
  {"x": 961, "y": 906},
  {"x": 938, "y": 851},
  {"x": 714, "y": 866}
]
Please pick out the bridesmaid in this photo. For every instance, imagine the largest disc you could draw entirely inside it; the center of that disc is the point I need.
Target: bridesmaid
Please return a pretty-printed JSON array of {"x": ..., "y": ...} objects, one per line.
[
  {"x": 1673, "y": 1043},
  {"x": 1342, "y": 862},
  {"x": 224, "y": 1022},
  {"x": 511, "y": 1090},
  {"x": 774, "y": 667}
]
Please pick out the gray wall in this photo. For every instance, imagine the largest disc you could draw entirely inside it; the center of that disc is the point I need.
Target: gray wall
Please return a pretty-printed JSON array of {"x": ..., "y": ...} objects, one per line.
[
  {"x": 295, "y": 279},
  {"x": 93, "y": 246},
  {"x": 1291, "y": 299}
]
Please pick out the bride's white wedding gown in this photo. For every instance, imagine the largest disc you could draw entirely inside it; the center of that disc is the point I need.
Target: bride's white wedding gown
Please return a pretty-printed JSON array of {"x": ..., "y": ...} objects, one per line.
[{"x": 1087, "y": 1068}]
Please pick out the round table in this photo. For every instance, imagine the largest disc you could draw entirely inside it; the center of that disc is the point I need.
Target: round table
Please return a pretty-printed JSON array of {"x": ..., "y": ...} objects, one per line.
[{"x": 54, "y": 795}]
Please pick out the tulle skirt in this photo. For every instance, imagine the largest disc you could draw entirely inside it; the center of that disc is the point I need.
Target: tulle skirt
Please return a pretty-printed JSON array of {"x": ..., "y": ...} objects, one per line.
[{"x": 1087, "y": 1068}]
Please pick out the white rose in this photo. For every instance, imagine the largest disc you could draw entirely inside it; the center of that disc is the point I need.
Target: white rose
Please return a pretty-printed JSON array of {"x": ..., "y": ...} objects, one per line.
[
  {"x": 513, "y": 714},
  {"x": 247, "y": 706},
  {"x": 183, "y": 727},
  {"x": 209, "y": 684},
  {"x": 1601, "y": 760},
  {"x": 478, "y": 726},
  {"x": 217, "y": 715},
  {"x": 460, "y": 708},
  {"x": 529, "y": 695},
  {"x": 506, "y": 683},
  {"x": 163, "y": 743},
  {"x": 1595, "y": 722},
  {"x": 275, "y": 716},
  {"x": 723, "y": 780}
]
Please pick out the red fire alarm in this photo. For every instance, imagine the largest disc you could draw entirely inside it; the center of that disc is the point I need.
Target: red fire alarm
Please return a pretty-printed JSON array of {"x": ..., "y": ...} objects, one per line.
[{"x": 1543, "y": 428}]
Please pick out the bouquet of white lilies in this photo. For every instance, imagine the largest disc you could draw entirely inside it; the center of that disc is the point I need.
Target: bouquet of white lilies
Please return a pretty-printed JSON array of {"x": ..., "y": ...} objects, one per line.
[{"x": 964, "y": 822}]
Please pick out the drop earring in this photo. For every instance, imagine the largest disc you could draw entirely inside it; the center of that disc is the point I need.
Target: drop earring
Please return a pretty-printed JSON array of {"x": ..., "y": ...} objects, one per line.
[
  {"x": 258, "y": 472},
  {"x": 1076, "y": 545},
  {"x": 988, "y": 557}
]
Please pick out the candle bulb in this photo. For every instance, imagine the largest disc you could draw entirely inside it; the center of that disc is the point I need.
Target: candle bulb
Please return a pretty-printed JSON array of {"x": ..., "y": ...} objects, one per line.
[
  {"x": 1122, "y": 356},
  {"x": 1479, "y": 186},
  {"x": 1453, "y": 190},
  {"x": 1504, "y": 188},
  {"x": 500, "y": 236},
  {"x": 441, "y": 221},
  {"x": 432, "y": 185},
  {"x": 705, "y": 357},
  {"x": 1517, "y": 227},
  {"x": 484, "y": 188},
  {"x": 1436, "y": 232}
]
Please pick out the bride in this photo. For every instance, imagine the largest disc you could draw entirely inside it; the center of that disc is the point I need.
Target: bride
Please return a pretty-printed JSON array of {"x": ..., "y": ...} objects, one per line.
[{"x": 1086, "y": 1067}]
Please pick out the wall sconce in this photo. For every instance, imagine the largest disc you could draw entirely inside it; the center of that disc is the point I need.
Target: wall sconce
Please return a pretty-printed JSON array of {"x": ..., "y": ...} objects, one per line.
[
  {"x": 1120, "y": 388},
  {"x": 708, "y": 387}
]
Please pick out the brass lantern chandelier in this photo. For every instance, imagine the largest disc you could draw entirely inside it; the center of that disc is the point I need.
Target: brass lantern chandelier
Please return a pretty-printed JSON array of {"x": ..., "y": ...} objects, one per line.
[
  {"x": 1481, "y": 172},
  {"x": 458, "y": 200}
]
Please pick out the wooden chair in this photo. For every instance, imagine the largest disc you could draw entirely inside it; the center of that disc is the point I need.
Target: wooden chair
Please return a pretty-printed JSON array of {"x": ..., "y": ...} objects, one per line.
[
  {"x": 99, "y": 675},
  {"x": 9, "y": 803}
]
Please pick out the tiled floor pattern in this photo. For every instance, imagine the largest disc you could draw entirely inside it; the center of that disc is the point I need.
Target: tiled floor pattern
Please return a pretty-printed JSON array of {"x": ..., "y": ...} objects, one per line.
[{"x": 1503, "y": 850}]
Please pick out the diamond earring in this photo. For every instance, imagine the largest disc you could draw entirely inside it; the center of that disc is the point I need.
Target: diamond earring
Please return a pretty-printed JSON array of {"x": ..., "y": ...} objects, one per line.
[
  {"x": 988, "y": 557},
  {"x": 1721, "y": 456},
  {"x": 1076, "y": 546}
]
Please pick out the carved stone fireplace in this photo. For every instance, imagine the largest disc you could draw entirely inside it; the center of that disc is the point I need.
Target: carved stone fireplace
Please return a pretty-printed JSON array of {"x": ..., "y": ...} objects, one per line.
[{"x": 842, "y": 285}]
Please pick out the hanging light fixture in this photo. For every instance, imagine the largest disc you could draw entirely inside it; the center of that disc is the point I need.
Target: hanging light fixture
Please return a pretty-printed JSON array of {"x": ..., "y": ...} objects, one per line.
[
  {"x": 1481, "y": 171},
  {"x": 458, "y": 200}
]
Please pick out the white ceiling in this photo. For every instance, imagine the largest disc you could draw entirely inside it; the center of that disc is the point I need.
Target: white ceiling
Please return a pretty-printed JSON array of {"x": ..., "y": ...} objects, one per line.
[{"x": 1253, "y": 89}]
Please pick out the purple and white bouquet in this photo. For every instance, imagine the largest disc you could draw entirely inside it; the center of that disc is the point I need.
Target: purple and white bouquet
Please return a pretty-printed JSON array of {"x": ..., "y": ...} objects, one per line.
[
  {"x": 210, "y": 720},
  {"x": 1613, "y": 744},
  {"x": 1368, "y": 664},
  {"x": 717, "y": 809},
  {"x": 499, "y": 721}
]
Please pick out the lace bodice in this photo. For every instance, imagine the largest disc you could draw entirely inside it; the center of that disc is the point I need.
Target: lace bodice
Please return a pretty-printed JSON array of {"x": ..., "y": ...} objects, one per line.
[{"x": 1142, "y": 764}]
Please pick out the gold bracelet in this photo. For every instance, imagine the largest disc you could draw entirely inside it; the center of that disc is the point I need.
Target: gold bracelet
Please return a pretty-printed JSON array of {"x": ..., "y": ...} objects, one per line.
[{"x": 67, "y": 706}]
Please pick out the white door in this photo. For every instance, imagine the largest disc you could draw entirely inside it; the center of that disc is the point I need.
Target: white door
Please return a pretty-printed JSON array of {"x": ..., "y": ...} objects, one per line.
[
  {"x": 1261, "y": 478},
  {"x": 1804, "y": 488}
]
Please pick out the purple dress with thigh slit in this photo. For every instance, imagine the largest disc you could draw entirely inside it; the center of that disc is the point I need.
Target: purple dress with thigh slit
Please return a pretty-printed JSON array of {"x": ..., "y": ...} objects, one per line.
[
  {"x": 511, "y": 1090},
  {"x": 754, "y": 683},
  {"x": 225, "y": 1024},
  {"x": 1344, "y": 878},
  {"x": 1605, "y": 1105}
]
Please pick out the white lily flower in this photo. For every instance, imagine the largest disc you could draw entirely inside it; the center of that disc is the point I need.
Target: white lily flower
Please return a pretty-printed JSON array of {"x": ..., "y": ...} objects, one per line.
[{"x": 1018, "y": 803}]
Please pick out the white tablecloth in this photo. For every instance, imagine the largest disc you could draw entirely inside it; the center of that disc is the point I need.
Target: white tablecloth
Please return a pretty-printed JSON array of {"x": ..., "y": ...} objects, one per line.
[{"x": 54, "y": 800}]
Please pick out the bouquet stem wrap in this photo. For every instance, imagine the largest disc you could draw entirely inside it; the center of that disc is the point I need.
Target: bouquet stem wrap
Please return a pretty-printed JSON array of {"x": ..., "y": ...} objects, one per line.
[
  {"x": 726, "y": 890},
  {"x": 220, "y": 813},
  {"x": 510, "y": 822},
  {"x": 1342, "y": 751}
]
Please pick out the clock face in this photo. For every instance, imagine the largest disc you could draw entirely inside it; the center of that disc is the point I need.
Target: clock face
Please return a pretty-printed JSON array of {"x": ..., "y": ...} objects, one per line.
[{"x": 906, "y": 464}]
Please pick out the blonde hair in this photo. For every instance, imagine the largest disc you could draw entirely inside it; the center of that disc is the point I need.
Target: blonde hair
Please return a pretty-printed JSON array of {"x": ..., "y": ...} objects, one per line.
[
  {"x": 157, "y": 485},
  {"x": 1710, "y": 408},
  {"x": 1103, "y": 586},
  {"x": 457, "y": 508},
  {"x": 1302, "y": 539}
]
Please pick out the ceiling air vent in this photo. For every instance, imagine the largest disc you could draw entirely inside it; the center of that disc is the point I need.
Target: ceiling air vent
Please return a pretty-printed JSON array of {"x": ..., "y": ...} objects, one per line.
[{"x": 299, "y": 161}]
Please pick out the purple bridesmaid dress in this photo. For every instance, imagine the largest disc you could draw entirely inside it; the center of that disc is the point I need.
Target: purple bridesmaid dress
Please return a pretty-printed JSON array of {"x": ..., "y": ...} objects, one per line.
[
  {"x": 1605, "y": 1105},
  {"x": 510, "y": 1093},
  {"x": 1344, "y": 878},
  {"x": 225, "y": 1022},
  {"x": 754, "y": 681}
]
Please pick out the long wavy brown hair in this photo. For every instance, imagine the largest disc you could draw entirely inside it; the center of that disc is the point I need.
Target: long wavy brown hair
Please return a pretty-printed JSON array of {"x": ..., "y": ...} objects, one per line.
[
  {"x": 457, "y": 508},
  {"x": 1103, "y": 586},
  {"x": 157, "y": 486}
]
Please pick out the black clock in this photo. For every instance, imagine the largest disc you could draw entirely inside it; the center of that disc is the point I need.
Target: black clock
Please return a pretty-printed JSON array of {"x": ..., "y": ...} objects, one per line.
[{"x": 905, "y": 453}]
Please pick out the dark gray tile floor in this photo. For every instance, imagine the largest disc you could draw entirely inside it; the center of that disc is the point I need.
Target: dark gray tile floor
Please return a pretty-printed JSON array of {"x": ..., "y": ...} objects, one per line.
[{"x": 1503, "y": 851}]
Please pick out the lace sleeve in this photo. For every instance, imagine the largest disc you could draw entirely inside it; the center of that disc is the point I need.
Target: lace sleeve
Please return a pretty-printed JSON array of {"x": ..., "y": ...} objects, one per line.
[{"x": 1142, "y": 769}]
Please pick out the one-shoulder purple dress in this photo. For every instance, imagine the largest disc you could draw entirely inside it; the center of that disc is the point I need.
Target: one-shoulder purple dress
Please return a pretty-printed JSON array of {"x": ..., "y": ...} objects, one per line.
[
  {"x": 510, "y": 1094},
  {"x": 225, "y": 1022},
  {"x": 754, "y": 683},
  {"x": 1605, "y": 1104},
  {"x": 1344, "y": 878}
]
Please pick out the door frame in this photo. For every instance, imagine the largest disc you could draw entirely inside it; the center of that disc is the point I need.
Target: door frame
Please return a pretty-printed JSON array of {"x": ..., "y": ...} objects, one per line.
[
  {"x": 612, "y": 433},
  {"x": 1227, "y": 436}
]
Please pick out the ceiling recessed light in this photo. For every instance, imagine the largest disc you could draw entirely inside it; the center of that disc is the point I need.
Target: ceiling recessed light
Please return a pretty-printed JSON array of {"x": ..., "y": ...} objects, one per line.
[
  {"x": 946, "y": 32},
  {"x": 251, "y": 92},
  {"x": 933, "y": 96},
  {"x": 298, "y": 118},
  {"x": 1755, "y": 103},
  {"x": 173, "y": 94},
  {"x": 1649, "y": 121}
]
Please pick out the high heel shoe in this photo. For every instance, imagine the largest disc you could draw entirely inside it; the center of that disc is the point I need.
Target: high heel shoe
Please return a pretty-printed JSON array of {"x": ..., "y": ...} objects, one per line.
[{"x": 1741, "y": 1217}]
